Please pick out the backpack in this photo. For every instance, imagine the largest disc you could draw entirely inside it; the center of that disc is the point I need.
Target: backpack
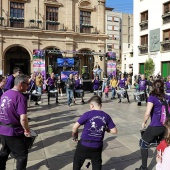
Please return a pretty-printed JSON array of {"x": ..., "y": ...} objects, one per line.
[{"x": 165, "y": 114}]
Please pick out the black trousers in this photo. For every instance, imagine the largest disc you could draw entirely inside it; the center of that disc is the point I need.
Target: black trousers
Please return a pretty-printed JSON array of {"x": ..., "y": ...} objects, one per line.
[
  {"x": 148, "y": 136},
  {"x": 15, "y": 145},
  {"x": 83, "y": 152},
  {"x": 127, "y": 96}
]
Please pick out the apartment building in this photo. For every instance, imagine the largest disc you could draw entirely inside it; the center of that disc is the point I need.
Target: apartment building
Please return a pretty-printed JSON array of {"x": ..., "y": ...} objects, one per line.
[
  {"x": 119, "y": 28},
  {"x": 152, "y": 35},
  {"x": 127, "y": 44},
  {"x": 59, "y": 25}
]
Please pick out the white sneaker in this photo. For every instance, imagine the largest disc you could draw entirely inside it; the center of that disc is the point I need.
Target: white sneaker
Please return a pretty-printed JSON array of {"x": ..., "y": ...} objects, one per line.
[{"x": 61, "y": 95}]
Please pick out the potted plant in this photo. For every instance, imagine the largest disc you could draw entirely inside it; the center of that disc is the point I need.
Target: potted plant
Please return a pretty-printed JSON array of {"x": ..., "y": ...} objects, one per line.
[
  {"x": 1, "y": 18},
  {"x": 32, "y": 20},
  {"x": 39, "y": 21}
]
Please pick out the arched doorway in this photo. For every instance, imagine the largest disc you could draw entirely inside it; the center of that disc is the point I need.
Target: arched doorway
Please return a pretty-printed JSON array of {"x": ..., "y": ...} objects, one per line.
[
  {"x": 17, "y": 56},
  {"x": 52, "y": 53},
  {"x": 86, "y": 62}
]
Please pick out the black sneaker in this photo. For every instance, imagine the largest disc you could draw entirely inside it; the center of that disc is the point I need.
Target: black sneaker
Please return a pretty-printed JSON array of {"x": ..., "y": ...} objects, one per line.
[
  {"x": 36, "y": 104},
  {"x": 141, "y": 168},
  {"x": 139, "y": 104},
  {"x": 119, "y": 101}
]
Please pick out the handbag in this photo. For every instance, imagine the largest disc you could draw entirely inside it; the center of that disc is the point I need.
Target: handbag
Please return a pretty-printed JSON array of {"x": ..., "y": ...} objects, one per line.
[{"x": 165, "y": 112}]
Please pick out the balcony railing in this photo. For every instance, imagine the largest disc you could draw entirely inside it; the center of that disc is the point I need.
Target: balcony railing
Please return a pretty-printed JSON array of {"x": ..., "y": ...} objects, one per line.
[
  {"x": 32, "y": 24},
  {"x": 143, "y": 49},
  {"x": 166, "y": 18},
  {"x": 144, "y": 25},
  {"x": 165, "y": 45},
  {"x": 86, "y": 29}
]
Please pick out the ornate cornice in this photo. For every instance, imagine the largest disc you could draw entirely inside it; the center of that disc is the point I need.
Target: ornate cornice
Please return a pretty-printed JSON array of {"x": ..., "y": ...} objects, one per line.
[{"x": 53, "y": 2}]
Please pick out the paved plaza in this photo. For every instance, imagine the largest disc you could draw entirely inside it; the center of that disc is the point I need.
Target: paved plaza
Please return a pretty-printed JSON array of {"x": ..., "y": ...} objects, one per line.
[{"x": 54, "y": 148}]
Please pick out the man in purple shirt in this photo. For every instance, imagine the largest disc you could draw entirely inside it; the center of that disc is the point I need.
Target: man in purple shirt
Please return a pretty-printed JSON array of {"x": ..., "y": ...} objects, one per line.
[
  {"x": 14, "y": 126},
  {"x": 11, "y": 78},
  {"x": 95, "y": 122}
]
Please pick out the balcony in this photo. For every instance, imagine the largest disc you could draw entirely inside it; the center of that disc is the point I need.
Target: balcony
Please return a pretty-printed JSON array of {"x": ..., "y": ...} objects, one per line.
[
  {"x": 88, "y": 29},
  {"x": 143, "y": 49},
  {"x": 144, "y": 25},
  {"x": 165, "y": 45},
  {"x": 166, "y": 18},
  {"x": 32, "y": 24}
]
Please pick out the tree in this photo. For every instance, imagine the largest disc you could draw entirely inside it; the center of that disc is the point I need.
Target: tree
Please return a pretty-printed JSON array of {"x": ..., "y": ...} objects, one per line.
[{"x": 149, "y": 67}]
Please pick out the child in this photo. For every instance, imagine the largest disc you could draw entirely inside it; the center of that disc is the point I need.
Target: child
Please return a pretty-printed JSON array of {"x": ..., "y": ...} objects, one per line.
[
  {"x": 106, "y": 91},
  {"x": 90, "y": 146},
  {"x": 163, "y": 158}
]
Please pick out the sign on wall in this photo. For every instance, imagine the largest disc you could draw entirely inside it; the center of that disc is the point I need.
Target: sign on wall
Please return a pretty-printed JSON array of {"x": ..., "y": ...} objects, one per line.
[
  {"x": 39, "y": 62},
  {"x": 154, "y": 40},
  {"x": 111, "y": 67}
]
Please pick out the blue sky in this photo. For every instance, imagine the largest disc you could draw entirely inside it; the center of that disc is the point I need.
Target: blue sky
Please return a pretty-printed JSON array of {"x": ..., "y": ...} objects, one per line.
[{"x": 125, "y": 6}]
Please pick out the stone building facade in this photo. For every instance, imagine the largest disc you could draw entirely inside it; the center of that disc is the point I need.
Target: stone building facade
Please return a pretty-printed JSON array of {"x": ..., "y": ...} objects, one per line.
[{"x": 73, "y": 25}]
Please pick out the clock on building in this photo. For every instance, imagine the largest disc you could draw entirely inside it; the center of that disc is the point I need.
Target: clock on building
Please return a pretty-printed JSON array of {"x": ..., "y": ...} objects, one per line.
[{"x": 155, "y": 40}]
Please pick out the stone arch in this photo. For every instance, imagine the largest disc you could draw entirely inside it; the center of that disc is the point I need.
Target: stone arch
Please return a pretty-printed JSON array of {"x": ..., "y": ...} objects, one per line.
[
  {"x": 20, "y": 45},
  {"x": 85, "y": 4},
  {"x": 17, "y": 55}
]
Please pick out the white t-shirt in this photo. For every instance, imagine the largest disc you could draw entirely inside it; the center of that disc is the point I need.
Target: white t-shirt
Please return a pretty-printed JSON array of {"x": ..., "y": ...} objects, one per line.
[{"x": 165, "y": 164}]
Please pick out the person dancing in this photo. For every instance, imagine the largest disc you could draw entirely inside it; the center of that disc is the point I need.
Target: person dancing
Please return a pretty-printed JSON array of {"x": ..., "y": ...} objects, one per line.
[
  {"x": 122, "y": 83},
  {"x": 156, "y": 128}
]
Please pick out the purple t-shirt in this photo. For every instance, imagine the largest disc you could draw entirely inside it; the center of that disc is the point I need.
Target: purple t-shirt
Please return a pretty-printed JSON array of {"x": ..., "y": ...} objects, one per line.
[
  {"x": 95, "y": 122},
  {"x": 142, "y": 84},
  {"x": 77, "y": 85},
  {"x": 96, "y": 84},
  {"x": 12, "y": 105},
  {"x": 167, "y": 87},
  {"x": 156, "y": 111},
  {"x": 51, "y": 81},
  {"x": 122, "y": 83},
  {"x": 9, "y": 83}
]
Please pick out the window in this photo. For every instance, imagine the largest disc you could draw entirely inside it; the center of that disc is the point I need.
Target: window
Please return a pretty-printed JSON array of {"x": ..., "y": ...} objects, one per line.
[
  {"x": 144, "y": 40},
  {"x": 116, "y": 28},
  {"x": 110, "y": 37},
  {"x": 109, "y": 45},
  {"x": 17, "y": 14},
  {"x": 85, "y": 22},
  {"x": 109, "y": 18},
  {"x": 116, "y": 37},
  {"x": 166, "y": 7},
  {"x": 144, "y": 16},
  {"x": 52, "y": 18},
  {"x": 109, "y": 27},
  {"x": 125, "y": 66},
  {"x": 116, "y": 46},
  {"x": 116, "y": 19},
  {"x": 124, "y": 57},
  {"x": 166, "y": 35}
]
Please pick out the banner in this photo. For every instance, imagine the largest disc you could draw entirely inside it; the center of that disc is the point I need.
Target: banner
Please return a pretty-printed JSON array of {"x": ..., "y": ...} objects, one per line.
[
  {"x": 111, "y": 67},
  {"x": 39, "y": 62},
  {"x": 65, "y": 74}
]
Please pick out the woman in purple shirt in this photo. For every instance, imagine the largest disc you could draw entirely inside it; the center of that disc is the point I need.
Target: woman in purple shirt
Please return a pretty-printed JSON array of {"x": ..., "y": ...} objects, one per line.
[
  {"x": 96, "y": 83},
  {"x": 51, "y": 82},
  {"x": 122, "y": 84},
  {"x": 167, "y": 84},
  {"x": 156, "y": 128},
  {"x": 78, "y": 86}
]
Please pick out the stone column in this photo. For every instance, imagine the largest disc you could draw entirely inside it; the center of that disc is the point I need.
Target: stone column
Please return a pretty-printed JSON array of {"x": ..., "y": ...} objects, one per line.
[{"x": 101, "y": 16}]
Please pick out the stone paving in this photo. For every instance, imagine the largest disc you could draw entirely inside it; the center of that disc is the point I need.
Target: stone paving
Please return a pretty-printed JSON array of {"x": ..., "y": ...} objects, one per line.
[{"x": 54, "y": 148}]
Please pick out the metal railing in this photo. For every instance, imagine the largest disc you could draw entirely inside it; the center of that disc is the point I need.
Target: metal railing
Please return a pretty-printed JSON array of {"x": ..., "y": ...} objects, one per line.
[
  {"x": 86, "y": 29},
  {"x": 33, "y": 24}
]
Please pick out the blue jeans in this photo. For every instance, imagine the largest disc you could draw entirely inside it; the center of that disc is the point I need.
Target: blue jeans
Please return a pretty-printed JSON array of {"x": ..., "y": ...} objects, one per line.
[
  {"x": 69, "y": 95},
  {"x": 113, "y": 92},
  {"x": 104, "y": 85},
  {"x": 39, "y": 89}
]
